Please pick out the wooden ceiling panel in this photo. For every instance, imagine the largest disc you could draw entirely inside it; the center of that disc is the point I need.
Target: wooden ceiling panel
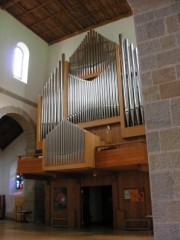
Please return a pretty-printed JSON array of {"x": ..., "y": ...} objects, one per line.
[
  {"x": 28, "y": 19},
  {"x": 53, "y": 8},
  {"x": 29, "y": 5},
  {"x": 56, "y": 20},
  {"x": 16, "y": 10},
  {"x": 41, "y": 13}
]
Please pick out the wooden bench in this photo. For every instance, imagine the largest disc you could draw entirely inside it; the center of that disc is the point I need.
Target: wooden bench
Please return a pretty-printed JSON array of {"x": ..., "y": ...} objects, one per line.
[
  {"x": 143, "y": 221},
  {"x": 24, "y": 214}
]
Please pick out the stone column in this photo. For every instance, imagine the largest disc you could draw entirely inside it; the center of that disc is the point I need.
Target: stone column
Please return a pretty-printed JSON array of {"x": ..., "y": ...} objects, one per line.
[
  {"x": 29, "y": 193},
  {"x": 157, "y": 25}
]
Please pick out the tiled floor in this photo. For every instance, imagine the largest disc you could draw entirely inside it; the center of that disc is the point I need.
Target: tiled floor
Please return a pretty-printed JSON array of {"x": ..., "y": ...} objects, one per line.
[{"x": 12, "y": 230}]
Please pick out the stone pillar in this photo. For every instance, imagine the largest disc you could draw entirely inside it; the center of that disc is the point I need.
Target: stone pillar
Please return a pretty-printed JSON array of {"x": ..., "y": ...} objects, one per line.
[
  {"x": 29, "y": 193},
  {"x": 39, "y": 201},
  {"x": 157, "y": 26}
]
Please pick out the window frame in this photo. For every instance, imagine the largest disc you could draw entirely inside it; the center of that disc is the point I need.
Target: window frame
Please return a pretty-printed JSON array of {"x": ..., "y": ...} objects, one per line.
[{"x": 20, "y": 70}]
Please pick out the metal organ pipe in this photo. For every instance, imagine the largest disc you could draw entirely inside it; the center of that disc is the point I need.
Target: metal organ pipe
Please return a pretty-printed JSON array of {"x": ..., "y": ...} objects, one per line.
[
  {"x": 138, "y": 83},
  {"x": 134, "y": 84},
  {"x": 92, "y": 100},
  {"x": 88, "y": 100},
  {"x": 52, "y": 101},
  {"x": 64, "y": 144},
  {"x": 133, "y": 107},
  {"x": 98, "y": 98}
]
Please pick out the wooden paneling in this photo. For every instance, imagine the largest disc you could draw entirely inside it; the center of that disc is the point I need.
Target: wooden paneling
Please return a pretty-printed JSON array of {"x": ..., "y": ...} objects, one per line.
[
  {"x": 99, "y": 180},
  {"x": 127, "y": 154},
  {"x": 130, "y": 180},
  {"x": 30, "y": 165},
  {"x": 73, "y": 201},
  {"x": 100, "y": 122},
  {"x": 109, "y": 134},
  {"x": 122, "y": 209},
  {"x": 120, "y": 219},
  {"x": 133, "y": 131}
]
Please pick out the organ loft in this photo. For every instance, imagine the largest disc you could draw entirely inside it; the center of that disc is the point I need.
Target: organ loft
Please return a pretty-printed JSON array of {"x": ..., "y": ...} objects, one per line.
[{"x": 91, "y": 134}]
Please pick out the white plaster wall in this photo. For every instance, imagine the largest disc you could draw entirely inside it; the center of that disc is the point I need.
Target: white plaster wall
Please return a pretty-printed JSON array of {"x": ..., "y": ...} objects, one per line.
[
  {"x": 12, "y": 31},
  {"x": 111, "y": 31},
  {"x": 8, "y": 162}
]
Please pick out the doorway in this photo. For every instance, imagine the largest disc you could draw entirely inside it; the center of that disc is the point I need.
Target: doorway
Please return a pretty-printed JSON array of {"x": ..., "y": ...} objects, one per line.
[{"x": 97, "y": 206}]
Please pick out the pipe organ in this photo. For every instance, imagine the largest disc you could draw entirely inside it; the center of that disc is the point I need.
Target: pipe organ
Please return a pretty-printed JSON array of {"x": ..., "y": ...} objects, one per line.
[
  {"x": 92, "y": 90},
  {"x": 68, "y": 146},
  {"x": 93, "y": 55},
  {"x": 52, "y": 100},
  {"x": 133, "y": 108},
  {"x": 95, "y": 99},
  {"x": 65, "y": 144}
]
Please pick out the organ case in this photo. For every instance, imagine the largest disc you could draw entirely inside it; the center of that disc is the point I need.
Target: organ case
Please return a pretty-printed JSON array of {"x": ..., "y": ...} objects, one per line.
[{"x": 99, "y": 86}]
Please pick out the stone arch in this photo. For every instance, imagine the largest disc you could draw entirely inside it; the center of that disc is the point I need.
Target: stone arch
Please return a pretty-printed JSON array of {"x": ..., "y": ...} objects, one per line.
[{"x": 25, "y": 122}]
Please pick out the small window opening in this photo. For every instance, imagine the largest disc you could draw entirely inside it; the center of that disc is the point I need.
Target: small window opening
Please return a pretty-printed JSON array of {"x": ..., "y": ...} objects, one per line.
[{"x": 21, "y": 62}]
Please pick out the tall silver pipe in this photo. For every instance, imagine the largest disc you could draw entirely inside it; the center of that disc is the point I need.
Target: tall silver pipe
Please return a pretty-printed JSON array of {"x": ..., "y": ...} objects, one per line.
[
  {"x": 129, "y": 80},
  {"x": 59, "y": 93},
  {"x": 135, "y": 86},
  {"x": 94, "y": 99},
  {"x": 115, "y": 89},
  {"x": 64, "y": 145},
  {"x": 138, "y": 83},
  {"x": 52, "y": 101},
  {"x": 55, "y": 95},
  {"x": 62, "y": 81},
  {"x": 42, "y": 115},
  {"x": 124, "y": 81},
  {"x": 131, "y": 84}
]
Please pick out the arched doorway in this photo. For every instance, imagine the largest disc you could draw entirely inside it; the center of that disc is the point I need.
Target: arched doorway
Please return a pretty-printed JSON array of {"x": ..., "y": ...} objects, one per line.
[
  {"x": 26, "y": 123},
  {"x": 18, "y": 138}
]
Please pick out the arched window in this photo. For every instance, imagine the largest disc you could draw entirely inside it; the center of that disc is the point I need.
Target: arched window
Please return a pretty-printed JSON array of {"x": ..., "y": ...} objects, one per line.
[
  {"x": 19, "y": 181},
  {"x": 21, "y": 62},
  {"x": 16, "y": 181}
]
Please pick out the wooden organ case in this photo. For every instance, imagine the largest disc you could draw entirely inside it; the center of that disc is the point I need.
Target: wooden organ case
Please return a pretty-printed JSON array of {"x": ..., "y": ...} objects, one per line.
[
  {"x": 90, "y": 114},
  {"x": 98, "y": 90}
]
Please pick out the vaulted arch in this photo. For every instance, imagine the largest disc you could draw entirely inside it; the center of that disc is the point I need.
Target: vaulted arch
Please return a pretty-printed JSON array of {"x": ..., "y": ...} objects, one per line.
[{"x": 25, "y": 122}]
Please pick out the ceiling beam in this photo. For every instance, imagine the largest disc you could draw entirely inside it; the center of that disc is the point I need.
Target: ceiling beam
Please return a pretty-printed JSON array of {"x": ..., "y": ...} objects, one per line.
[{"x": 8, "y": 3}]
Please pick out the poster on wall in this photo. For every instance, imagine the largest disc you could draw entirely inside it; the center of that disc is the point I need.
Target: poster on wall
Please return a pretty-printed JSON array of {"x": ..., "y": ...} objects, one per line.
[
  {"x": 134, "y": 194},
  {"x": 60, "y": 198}
]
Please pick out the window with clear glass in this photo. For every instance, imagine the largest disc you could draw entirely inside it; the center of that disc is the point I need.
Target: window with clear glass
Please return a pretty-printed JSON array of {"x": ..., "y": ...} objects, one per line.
[{"x": 21, "y": 62}]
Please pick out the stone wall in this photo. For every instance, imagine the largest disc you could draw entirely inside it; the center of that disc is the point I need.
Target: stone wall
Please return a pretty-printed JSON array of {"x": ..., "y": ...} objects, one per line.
[
  {"x": 29, "y": 193},
  {"x": 157, "y": 25}
]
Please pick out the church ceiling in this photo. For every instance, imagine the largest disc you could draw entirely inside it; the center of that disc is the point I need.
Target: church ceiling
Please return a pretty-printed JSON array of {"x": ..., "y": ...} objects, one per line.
[{"x": 57, "y": 20}]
